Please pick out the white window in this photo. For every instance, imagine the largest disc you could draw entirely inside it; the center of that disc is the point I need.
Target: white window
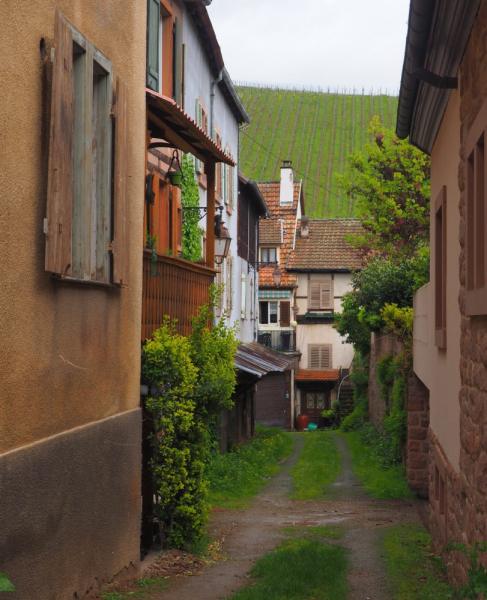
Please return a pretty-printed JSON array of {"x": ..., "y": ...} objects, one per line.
[
  {"x": 268, "y": 313},
  {"x": 268, "y": 255}
]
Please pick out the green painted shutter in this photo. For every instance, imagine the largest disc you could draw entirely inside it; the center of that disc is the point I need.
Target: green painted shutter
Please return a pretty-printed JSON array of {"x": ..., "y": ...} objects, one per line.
[
  {"x": 153, "y": 23},
  {"x": 199, "y": 122},
  {"x": 178, "y": 61}
]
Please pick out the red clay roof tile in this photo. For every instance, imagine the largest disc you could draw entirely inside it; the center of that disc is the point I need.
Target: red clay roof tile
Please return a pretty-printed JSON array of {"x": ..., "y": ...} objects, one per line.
[{"x": 304, "y": 375}]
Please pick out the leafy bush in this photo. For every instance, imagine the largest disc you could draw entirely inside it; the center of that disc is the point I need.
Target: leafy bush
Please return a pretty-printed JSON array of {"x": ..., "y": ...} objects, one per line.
[
  {"x": 384, "y": 449},
  {"x": 192, "y": 379},
  {"x": 360, "y": 380}
]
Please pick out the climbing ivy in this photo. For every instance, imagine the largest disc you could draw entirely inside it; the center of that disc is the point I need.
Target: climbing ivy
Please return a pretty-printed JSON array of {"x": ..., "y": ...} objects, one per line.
[{"x": 190, "y": 197}]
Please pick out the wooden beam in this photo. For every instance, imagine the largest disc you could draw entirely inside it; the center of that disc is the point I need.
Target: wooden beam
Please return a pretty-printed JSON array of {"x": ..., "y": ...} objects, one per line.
[
  {"x": 172, "y": 137},
  {"x": 210, "y": 214}
]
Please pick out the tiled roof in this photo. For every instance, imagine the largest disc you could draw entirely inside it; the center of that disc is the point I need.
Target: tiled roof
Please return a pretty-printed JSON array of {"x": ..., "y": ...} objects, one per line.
[
  {"x": 270, "y": 231},
  {"x": 287, "y": 215},
  {"x": 326, "y": 246},
  {"x": 302, "y": 375}
]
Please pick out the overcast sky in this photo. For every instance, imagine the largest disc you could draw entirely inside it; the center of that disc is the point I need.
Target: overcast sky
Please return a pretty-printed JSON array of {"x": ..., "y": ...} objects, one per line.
[{"x": 336, "y": 43}]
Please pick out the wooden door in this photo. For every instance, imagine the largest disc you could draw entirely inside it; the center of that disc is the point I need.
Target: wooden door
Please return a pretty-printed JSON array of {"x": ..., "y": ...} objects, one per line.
[{"x": 314, "y": 403}]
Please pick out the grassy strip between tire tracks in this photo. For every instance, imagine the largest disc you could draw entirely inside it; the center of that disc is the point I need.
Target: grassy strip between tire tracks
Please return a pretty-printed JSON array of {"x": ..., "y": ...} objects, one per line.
[
  {"x": 238, "y": 475},
  {"x": 318, "y": 466},
  {"x": 381, "y": 483},
  {"x": 413, "y": 569},
  {"x": 299, "y": 569}
]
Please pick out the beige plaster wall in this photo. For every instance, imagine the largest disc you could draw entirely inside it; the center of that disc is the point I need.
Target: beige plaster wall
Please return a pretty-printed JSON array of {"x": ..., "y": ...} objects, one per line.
[
  {"x": 70, "y": 353},
  {"x": 440, "y": 369}
]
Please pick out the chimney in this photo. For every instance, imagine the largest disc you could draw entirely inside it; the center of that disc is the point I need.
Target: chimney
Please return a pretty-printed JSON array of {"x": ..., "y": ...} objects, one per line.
[
  {"x": 304, "y": 226},
  {"x": 287, "y": 183}
]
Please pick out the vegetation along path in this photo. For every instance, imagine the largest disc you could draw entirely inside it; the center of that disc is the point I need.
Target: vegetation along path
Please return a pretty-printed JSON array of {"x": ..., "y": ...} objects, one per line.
[{"x": 341, "y": 509}]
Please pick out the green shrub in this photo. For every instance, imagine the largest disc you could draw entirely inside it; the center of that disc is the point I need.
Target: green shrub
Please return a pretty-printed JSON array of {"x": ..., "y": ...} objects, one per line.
[{"x": 192, "y": 379}]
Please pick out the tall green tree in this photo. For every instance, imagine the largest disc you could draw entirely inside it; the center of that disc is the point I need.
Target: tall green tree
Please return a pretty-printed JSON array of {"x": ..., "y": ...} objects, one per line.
[{"x": 389, "y": 182}]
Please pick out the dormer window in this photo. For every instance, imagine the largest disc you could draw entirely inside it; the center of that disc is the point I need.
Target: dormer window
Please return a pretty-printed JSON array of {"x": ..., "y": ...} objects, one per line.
[{"x": 268, "y": 255}]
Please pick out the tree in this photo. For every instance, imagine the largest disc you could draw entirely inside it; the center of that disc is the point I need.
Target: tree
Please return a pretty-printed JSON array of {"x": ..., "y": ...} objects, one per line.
[{"x": 390, "y": 182}]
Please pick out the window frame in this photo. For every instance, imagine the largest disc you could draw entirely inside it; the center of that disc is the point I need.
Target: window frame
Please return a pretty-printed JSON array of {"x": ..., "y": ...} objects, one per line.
[
  {"x": 87, "y": 220},
  {"x": 267, "y": 249},
  {"x": 440, "y": 264},
  {"x": 476, "y": 217},
  {"x": 268, "y": 302}
]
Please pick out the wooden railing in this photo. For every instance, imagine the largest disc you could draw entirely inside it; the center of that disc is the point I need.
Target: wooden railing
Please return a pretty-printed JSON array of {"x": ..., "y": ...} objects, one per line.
[{"x": 175, "y": 287}]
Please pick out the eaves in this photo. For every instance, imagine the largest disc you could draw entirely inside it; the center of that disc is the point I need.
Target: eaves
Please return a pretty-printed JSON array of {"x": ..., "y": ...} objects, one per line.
[{"x": 438, "y": 33}]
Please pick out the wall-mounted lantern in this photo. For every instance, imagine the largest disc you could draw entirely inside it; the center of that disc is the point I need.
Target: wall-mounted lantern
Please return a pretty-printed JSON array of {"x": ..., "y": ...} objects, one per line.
[
  {"x": 277, "y": 276},
  {"x": 222, "y": 240}
]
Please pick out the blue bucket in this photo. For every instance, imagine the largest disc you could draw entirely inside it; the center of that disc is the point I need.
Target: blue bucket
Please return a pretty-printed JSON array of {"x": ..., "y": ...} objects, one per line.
[{"x": 312, "y": 426}]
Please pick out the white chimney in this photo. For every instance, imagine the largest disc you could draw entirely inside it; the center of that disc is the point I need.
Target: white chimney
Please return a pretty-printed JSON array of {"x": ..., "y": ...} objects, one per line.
[{"x": 287, "y": 183}]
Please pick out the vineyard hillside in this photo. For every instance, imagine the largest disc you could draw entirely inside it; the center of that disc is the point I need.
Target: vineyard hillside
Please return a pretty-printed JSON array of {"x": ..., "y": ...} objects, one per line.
[{"x": 316, "y": 130}]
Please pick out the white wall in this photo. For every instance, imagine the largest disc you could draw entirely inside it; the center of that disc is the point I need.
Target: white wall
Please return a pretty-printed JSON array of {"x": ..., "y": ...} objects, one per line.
[{"x": 198, "y": 78}]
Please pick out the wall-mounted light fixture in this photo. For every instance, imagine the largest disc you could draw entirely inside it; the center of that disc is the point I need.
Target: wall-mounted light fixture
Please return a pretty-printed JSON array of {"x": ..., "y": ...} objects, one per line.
[{"x": 277, "y": 276}]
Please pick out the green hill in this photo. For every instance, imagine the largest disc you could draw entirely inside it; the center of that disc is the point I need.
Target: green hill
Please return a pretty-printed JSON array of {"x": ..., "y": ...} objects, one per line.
[{"x": 317, "y": 131}]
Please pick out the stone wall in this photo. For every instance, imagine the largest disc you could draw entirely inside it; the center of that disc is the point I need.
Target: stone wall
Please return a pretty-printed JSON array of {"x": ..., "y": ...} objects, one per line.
[
  {"x": 381, "y": 345},
  {"x": 417, "y": 405}
]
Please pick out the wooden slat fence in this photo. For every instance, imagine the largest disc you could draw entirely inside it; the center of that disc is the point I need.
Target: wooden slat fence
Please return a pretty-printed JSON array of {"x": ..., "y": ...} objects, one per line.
[{"x": 177, "y": 288}]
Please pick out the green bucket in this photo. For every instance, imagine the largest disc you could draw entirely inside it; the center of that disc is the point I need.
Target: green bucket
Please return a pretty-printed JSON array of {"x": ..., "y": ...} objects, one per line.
[
  {"x": 175, "y": 177},
  {"x": 312, "y": 426}
]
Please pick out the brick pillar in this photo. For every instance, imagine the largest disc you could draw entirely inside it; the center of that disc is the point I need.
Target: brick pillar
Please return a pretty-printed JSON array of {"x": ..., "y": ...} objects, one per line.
[{"x": 417, "y": 405}]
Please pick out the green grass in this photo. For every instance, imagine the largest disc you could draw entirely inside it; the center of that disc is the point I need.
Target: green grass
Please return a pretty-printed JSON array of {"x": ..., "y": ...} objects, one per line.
[
  {"x": 315, "y": 531},
  {"x": 238, "y": 475},
  {"x": 412, "y": 568},
  {"x": 318, "y": 466},
  {"x": 296, "y": 124},
  {"x": 381, "y": 483},
  {"x": 299, "y": 569}
]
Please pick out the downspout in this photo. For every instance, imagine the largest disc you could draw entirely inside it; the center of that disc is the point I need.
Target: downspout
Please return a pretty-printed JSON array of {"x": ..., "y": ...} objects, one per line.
[{"x": 212, "y": 102}]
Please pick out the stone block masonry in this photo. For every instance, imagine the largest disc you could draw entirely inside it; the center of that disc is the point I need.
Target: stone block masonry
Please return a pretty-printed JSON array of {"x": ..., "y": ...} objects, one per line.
[{"x": 417, "y": 455}]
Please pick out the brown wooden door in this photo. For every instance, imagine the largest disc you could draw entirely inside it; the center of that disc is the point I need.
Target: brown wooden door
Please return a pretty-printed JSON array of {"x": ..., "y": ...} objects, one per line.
[{"x": 314, "y": 404}]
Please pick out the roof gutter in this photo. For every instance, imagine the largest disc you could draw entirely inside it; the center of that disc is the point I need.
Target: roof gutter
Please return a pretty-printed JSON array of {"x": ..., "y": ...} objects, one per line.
[{"x": 244, "y": 115}]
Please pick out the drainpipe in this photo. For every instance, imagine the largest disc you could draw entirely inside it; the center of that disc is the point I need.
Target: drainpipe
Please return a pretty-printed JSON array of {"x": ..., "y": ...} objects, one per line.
[{"x": 212, "y": 101}]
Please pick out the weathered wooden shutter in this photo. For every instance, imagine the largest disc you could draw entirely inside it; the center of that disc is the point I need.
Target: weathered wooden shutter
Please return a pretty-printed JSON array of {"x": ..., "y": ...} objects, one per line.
[
  {"x": 314, "y": 296},
  {"x": 153, "y": 24},
  {"x": 58, "y": 224},
  {"x": 232, "y": 194},
  {"x": 178, "y": 61},
  {"x": 121, "y": 204},
  {"x": 313, "y": 357},
  {"x": 285, "y": 314},
  {"x": 244, "y": 296},
  {"x": 327, "y": 295},
  {"x": 199, "y": 122},
  {"x": 325, "y": 357},
  {"x": 227, "y": 184}
]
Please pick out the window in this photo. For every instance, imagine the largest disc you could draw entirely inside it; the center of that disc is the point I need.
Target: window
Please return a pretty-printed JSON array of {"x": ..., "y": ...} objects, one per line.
[
  {"x": 320, "y": 357},
  {"x": 228, "y": 184},
  {"x": 475, "y": 235},
  {"x": 268, "y": 313},
  {"x": 440, "y": 269},
  {"x": 268, "y": 255},
  {"x": 243, "y": 309},
  {"x": 317, "y": 401},
  {"x": 164, "y": 71},
  {"x": 218, "y": 168},
  {"x": 440, "y": 492},
  {"x": 230, "y": 283},
  {"x": 320, "y": 295},
  {"x": 85, "y": 239}
]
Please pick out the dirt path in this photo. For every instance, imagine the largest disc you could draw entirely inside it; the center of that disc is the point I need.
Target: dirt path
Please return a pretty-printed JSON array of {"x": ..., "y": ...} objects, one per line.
[{"x": 252, "y": 532}]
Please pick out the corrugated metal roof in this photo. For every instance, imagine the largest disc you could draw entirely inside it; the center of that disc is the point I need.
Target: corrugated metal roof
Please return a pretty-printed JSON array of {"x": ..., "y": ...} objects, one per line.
[{"x": 258, "y": 360}]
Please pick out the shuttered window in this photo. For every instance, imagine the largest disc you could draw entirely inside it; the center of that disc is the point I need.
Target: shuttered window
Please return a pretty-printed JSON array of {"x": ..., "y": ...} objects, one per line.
[
  {"x": 200, "y": 121},
  {"x": 177, "y": 62},
  {"x": 153, "y": 33},
  {"x": 285, "y": 314},
  {"x": 244, "y": 296},
  {"x": 78, "y": 225},
  {"x": 320, "y": 295},
  {"x": 320, "y": 357}
]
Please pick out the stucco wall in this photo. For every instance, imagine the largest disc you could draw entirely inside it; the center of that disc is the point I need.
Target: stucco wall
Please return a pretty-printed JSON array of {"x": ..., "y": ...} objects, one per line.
[
  {"x": 70, "y": 353},
  {"x": 70, "y": 519},
  {"x": 436, "y": 367},
  {"x": 198, "y": 78},
  {"x": 70, "y": 430}
]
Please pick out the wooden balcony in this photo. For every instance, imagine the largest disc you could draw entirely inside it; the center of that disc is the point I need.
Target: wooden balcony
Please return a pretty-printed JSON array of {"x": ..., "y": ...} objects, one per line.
[{"x": 175, "y": 287}]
